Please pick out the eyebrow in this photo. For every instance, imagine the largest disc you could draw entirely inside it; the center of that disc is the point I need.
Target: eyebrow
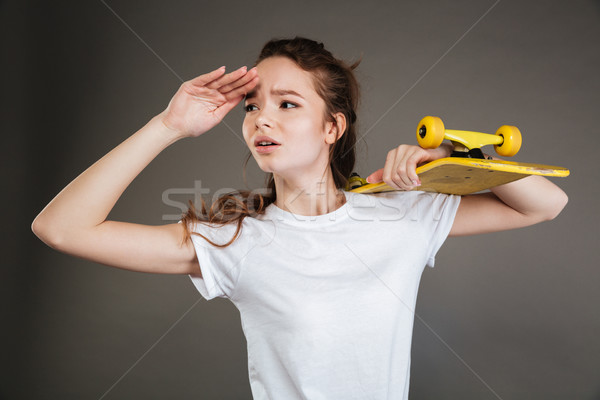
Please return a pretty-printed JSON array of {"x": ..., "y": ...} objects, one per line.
[
  {"x": 277, "y": 92},
  {"x": 285, "y": 92}
]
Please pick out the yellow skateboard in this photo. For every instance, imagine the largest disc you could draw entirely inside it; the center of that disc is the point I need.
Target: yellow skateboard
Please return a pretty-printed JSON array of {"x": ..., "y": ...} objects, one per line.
[{"x": 466, "y": 171}]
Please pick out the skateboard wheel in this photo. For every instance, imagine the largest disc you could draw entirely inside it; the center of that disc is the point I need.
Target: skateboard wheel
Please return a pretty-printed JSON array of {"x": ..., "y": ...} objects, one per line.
[
  {"x": 430, "y": 132},
  {"x": 511, "y": 143}
]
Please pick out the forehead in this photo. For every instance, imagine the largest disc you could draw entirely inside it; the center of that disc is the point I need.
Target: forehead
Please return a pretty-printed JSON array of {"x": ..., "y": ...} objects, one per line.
[{"x": 281, "y": 73}]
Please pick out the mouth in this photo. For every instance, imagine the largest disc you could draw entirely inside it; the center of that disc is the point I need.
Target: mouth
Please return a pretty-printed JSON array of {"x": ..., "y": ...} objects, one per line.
[{"x": 265, "y": 144}]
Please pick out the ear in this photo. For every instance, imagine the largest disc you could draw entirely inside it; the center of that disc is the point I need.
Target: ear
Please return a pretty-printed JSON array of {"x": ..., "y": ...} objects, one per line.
[{"x": 335, "y": 129}]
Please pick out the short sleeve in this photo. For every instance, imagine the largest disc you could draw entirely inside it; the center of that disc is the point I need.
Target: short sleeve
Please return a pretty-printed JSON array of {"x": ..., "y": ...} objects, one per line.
[
  {"x": 220, "y": 266},
  {"x": 438, "y": 219}
]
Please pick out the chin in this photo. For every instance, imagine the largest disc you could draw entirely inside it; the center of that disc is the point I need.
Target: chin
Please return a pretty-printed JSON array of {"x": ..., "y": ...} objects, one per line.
[{"x": 265, "y": 167}]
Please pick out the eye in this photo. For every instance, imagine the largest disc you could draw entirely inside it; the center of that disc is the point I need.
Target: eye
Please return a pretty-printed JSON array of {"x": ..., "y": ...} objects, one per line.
[
  {"x": 287, "y": 104},
  {"x": 250, "y": 107}
]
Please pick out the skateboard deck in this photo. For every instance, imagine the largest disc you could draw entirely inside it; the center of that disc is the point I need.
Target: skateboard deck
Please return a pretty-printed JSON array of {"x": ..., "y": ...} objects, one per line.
[{"x": 456, "y": 175}]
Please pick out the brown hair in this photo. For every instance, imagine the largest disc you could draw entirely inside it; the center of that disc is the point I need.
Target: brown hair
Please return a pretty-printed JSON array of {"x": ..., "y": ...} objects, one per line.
[{"x": 336, "y": 84}]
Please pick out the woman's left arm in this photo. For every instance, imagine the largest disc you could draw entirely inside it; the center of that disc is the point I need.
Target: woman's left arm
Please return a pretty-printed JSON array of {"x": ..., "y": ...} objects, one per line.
[
  {"x": 521, "y": 203},
  {"x": 514, "y": 205}
]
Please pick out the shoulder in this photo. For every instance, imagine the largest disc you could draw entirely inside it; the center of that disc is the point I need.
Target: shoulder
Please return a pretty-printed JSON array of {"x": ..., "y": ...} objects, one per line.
[
  {"x": 251, "y": 229},
  {"x": 396, "y": 205},
  {"x": 399, "y": 199}
]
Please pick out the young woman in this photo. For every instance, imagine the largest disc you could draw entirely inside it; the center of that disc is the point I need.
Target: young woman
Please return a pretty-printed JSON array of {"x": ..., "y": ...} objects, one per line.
[{"x": 325, "y": 280}]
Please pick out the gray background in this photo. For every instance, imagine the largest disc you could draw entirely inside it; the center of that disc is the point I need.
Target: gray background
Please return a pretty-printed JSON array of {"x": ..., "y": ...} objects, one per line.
[{"x": 510, "y": 315}]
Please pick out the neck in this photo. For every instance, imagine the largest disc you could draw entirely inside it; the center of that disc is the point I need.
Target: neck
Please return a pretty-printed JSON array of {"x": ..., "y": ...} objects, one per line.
[{"x": 308, "y": 196}]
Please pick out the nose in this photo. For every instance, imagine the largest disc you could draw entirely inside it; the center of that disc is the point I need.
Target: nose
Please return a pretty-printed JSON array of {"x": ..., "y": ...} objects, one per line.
[{"x": 263, "y": 120}]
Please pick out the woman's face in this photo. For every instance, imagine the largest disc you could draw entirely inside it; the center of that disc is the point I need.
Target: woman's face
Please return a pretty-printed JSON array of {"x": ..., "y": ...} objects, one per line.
[{"x": 284, "y": 125}]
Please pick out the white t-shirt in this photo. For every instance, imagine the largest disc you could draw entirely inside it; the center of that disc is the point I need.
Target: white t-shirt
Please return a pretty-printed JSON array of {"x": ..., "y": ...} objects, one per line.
[{"x": 327, "y": 302}]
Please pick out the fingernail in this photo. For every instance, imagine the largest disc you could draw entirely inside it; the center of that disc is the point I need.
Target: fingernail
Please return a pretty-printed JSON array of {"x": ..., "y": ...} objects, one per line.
[{"x": 416, "y": 183}]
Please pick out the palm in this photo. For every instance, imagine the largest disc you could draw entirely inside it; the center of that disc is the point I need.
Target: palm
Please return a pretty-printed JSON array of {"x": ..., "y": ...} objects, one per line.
[{"x": 203, "y": 102}]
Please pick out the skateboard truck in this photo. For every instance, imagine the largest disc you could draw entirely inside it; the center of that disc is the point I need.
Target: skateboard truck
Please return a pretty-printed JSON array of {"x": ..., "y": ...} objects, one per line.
[
  {"x": 431, "y": 133},
  {"x": 355, "y": 181}
]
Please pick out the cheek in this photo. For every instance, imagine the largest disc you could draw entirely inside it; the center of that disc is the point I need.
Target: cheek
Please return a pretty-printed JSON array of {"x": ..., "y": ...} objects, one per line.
[
  {"x": 246, "y": 125},
  {"x": 306, "y": 123}
]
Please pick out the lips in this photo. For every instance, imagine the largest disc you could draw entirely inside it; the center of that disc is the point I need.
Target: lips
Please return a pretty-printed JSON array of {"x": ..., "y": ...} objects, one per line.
[
  {"x": 265, "y": 141},
  {"x": 265, "y": 144}
]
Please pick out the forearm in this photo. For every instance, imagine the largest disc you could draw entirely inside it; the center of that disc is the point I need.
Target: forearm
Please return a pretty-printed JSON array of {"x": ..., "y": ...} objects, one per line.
[
  {"x": 87, "y": 200},
  {"x": 534, "y": 196}
]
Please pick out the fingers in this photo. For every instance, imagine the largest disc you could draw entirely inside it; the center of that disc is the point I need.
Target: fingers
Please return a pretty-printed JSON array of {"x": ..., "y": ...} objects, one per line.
[
  {"x": 375, "y": 177},
  {"x": 205, "y": 79},
  {"x": 236, "y": 95},
  {"x": 237, "y": 90},
  {"x": 241, "y": 86},
  {"x": 228, "y": 106},
  {"x": 399, "y": 171},
  {"x": 232, "y": 85},
  {"x": 226, "y": 79}
]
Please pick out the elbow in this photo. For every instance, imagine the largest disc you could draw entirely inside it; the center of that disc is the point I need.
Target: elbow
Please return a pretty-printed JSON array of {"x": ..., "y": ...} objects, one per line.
[
  {"x": 557, "y": 204},
  {"x": 43, "y": 229},
  {"x": 37, "y": 227}
]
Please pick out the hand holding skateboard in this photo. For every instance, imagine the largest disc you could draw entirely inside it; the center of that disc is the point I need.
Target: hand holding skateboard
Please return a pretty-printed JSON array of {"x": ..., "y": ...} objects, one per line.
[{"x": 466, "y": 170}]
